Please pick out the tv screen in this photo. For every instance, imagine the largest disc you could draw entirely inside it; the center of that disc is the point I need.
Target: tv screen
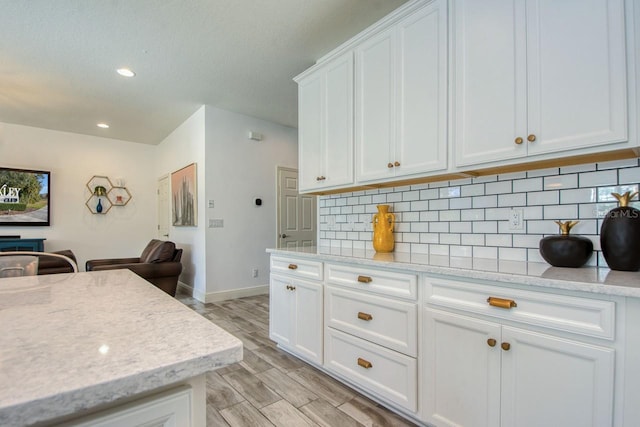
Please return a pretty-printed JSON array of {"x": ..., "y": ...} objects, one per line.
[{"x": 24, "y": 197}]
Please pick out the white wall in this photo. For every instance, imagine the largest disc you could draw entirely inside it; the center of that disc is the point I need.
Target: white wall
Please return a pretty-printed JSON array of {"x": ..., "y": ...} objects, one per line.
[
  {"x": 73, "y": 159},
  {"x": 186, "y": 145},
  {"x": 239, "y": 170}
]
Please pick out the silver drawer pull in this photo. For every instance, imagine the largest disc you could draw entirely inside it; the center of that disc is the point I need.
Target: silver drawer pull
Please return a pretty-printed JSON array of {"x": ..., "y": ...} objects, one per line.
[
  {"x": 364, "y": 363},
  {"x": 364, "y": 316}
]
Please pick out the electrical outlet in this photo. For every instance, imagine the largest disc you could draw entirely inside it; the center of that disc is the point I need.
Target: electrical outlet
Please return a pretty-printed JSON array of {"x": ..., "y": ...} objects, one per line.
[
  {"x": 216, "y": 223},
  {"x": 516, "y": 219},
  {"x": 254, "y": 272}
]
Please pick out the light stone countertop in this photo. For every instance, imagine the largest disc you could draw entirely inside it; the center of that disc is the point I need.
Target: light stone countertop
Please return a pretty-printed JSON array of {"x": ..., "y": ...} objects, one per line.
[
  {"x": 584, "y": 279},
  {"x": 69, "y": 342}
]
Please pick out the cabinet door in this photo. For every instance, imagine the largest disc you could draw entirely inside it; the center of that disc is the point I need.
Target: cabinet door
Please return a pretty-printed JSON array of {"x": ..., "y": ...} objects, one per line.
[
  {"x": 461, "y": 371},
  {"x": 308, "y": 320},
  {"x": 421, "y": 144},
  {"x": 310, "y": 131},
  {"x": 281, "y": 302},
  {"x": 338, "y": 125},
  {"x": 489, "y": 83},
  {"x": 550, "y": 381},
  {"x": 375, "y": 106},
  {"x": 576, "y": 74}
]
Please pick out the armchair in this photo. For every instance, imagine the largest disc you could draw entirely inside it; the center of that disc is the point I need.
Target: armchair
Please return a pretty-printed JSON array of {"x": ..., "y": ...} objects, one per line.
[{"x": 159, "y": 264}]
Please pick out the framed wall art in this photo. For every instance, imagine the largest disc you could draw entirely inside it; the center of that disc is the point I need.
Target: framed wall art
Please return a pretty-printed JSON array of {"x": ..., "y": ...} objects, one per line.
[{"x": 184, "y": 197}]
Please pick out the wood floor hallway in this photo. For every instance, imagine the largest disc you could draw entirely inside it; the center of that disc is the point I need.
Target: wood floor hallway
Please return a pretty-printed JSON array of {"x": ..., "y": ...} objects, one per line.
[{"x": 272, "y": 388}]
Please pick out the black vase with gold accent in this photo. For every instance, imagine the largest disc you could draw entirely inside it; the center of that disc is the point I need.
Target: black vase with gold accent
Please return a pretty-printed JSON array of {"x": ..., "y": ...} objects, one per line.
[
  {"x": 620, "y": 235},
  {"x": 566, "y": 250}
]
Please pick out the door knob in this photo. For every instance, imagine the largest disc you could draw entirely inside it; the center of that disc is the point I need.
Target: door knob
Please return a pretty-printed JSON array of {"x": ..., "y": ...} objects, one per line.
[
  {"x": 518, "y": 140},
  {"x": 505, "y": 346},
  {"x": 389, "y": 165},
  {"x": 283, "y": 236},
  {"x": 396, "y": 164},
  {"x": 491, "y": 342},
  {"x": 531, "y": 138}
]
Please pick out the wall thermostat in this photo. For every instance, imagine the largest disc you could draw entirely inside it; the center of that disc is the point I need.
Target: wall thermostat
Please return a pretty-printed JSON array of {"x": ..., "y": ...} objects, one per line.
[{"x": 257, "y": 201}]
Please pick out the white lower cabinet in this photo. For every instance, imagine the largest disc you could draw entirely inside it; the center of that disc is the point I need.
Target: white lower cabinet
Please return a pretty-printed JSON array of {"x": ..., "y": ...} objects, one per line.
[
  {"x": 485, "y": 371},
  {"x": 295, "y": 317}
]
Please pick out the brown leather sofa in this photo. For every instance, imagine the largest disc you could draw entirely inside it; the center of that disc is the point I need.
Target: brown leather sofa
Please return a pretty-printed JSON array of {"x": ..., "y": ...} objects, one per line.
[
  {"x": 54, "y": 265},
  {"x": 159, "y": 263}
]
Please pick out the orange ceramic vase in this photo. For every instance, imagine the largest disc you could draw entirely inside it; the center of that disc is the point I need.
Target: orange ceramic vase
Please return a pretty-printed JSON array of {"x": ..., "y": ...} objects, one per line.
[{"x": 383, "y": 223}]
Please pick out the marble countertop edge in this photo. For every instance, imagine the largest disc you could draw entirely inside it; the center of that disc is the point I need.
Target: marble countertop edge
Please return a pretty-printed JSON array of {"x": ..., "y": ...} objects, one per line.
[
  {"x": 110, "y": 392},
  {"x": 584, "y": 279}
]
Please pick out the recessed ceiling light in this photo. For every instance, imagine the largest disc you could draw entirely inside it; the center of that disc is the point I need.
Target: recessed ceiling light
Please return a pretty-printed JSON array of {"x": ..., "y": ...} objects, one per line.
[
  {"x": 103, "y": 125},
  {"x": 125, "y": 72}
]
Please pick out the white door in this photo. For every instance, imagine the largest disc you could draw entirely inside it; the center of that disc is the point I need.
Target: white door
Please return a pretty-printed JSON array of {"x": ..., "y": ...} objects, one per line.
[
  {"x": 550, "y": 381},
  {"x": 281, "y": 300},
  {"x": 461, "y": 371},
  {"x": 163, "y": 208},
  {"x": 576, "y": 74},
  {"x": 490, "y": 82},
  {"x": 296, "y": 213},
  {"x": 375, "y": 107},
  {"x": 421, "y": 145},
  {"x": 308, "y": 320}
]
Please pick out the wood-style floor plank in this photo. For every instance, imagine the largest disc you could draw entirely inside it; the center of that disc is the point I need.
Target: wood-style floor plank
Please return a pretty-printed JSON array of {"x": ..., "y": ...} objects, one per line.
[
  {"x": 283, "y": 413},
  {"x": 271, "y": 387},
  {"x": 286, "y": 387},
  {"x": 243, "y": 415}
]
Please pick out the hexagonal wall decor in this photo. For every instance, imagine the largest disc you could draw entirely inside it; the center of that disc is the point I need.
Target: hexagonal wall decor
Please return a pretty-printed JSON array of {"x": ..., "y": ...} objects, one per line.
[{"x": 104, "y": 195}]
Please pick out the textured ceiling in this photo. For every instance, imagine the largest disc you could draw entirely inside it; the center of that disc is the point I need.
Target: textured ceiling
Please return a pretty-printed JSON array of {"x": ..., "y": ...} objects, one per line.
[{"x": 58, "y": 59}]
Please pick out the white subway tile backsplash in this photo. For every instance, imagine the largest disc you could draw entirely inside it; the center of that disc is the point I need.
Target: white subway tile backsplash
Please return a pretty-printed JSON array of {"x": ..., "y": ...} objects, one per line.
[
  {"x": 438, "y": 204},
  {"x": 629, "y": 176},
  {"x": 543, "y": 172},
  {"x": 469, "y": 217},
  {"x": 543, "y": 198},
  {"x": 472, "y": 215},
  {"x": 560, "y": 181},
  {"x": 596, "y": 179},
  {"x": 460, "y": 203},
  {"x": 485, "y": 201},
  {"x": 525, "y": 185},
  {"x": 617, "y": 164},
  {"x": 500, "y": 187},
  {"x": 511, "y": 200},
  {"x": 512, "y": 254},
  {"x": 485, "y": 252},
  {"x": 428, "y": 194},
  {"x": 410, "y": 195},
  {"x": 561, "y": 212},
  {"x": 578, "y": 195},
  {"x": 448, "y": 192},
  {"x": 472, "y": 190}
]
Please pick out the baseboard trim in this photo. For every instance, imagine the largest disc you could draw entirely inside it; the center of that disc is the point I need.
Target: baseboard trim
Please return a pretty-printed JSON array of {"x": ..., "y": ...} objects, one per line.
[{"x": 222, "y": 295}]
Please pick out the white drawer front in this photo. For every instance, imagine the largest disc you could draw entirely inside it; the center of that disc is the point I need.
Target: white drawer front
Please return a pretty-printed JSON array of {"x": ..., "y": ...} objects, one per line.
[
  {"x": 578, "y": 315},
  {"x": 297, "y": 267},
  {"x": 390, "y": 323},
  {"x": 391, "y": 375},
  {"x": 401, "y": 285}
]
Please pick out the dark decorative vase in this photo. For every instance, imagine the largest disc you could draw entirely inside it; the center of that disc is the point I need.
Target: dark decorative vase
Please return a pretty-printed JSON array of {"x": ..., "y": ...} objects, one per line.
[
  {"x": 99, "y": 206},
  {"x": 565, "y": 250},
  {"x": 620, "y": 235}
]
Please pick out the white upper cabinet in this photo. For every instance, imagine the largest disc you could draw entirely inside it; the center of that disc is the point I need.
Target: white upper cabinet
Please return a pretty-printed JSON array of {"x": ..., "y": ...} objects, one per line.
[
  {"x": 536, "y": 76},
  {"x": 325, "y": 120},
  {"x": 401, "y": 97}
]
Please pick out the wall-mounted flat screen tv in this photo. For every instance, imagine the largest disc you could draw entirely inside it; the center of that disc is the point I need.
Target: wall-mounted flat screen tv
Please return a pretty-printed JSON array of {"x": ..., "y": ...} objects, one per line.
[{"x": 25, "y": 197}]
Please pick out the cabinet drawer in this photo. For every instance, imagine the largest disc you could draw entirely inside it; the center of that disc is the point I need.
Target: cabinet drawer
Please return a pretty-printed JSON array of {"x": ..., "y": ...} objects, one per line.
[
  {"x": 585, "y": 316},
  {"x": 297, "y": 267},
  {"x": 392, "y": 324},
  {"x": 389, "y": 374},
  {"x": 401, "y": 285}
]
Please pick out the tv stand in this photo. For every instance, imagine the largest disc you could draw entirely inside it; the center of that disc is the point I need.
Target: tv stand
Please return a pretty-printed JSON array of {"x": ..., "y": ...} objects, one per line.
[{"x": 13, "y": 244}]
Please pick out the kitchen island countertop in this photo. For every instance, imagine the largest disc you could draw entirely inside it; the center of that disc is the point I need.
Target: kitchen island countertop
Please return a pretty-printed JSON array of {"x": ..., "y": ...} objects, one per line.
[
  {"x": 584, "y": 279},
  {"x": 72, "y": 342}
]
